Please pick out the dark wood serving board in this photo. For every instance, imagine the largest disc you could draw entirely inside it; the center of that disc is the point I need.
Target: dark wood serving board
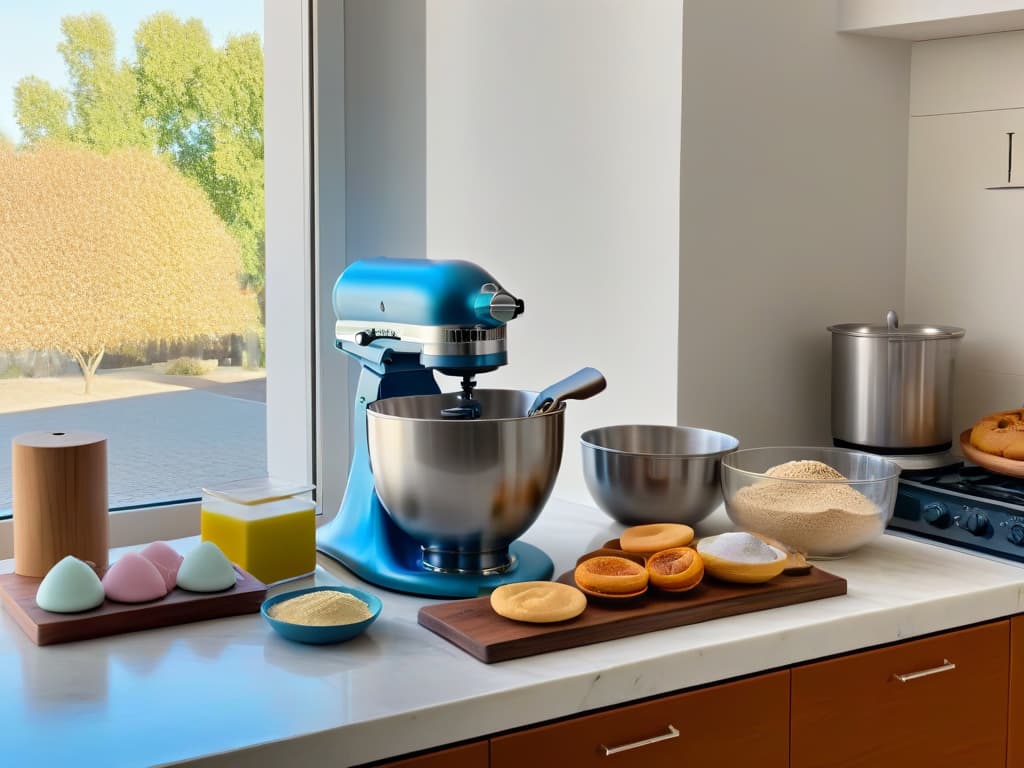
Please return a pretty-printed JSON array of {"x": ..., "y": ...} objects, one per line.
[
  {"x": 178, "y": 607},
  {"x": 475, "y": 628}
]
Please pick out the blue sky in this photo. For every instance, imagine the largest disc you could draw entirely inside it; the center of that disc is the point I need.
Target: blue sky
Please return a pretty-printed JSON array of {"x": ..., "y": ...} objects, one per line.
[{"x": 30, "y": 31}]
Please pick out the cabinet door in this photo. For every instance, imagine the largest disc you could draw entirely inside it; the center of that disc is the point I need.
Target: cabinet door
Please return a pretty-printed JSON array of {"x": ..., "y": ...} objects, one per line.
[
  {"x": 1015, "y": 751},
  {"x": 940, "y": 701},
  {"x": 735, "y": 725},
  {"x": 467, "y": 756}
]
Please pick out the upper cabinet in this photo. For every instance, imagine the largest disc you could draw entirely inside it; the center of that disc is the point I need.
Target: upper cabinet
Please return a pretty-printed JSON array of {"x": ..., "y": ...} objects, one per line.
[{"x": 929, "y": 19}]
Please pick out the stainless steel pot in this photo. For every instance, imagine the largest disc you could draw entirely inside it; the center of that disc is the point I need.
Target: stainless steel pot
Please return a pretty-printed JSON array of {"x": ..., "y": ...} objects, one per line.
[
  {"x": 892, "y": 386},
  {"x": 464, "y": 489}
]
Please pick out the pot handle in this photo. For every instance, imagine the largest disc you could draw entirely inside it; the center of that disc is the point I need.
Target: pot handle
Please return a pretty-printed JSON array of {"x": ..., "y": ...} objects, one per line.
[{"x": 892, "y": 320}]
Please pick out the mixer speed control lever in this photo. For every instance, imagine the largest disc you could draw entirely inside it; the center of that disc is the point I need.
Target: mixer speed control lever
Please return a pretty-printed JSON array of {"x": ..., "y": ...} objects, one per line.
[{"x": 367, "y": 337}]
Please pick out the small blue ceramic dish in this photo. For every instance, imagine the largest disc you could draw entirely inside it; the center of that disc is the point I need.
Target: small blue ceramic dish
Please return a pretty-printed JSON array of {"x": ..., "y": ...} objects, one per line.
[{"x": 335, "y": 633}]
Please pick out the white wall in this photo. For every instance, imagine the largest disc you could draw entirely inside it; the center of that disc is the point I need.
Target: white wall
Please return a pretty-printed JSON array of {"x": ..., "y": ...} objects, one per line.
[
  {"x": 371, "y": 184},
  {"x": 553, "y": 161},
  {"x": 792, "y": 213},
  {"x": 335, "y": 373},
  {"x": 384, "y": 129},
  {"x": 965, "y": 244},
  {"x": 700, "y": 282}
]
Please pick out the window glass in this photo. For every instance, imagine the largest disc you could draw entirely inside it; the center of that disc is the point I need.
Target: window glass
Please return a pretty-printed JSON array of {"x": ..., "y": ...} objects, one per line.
[{"x": 132, "y": 237}]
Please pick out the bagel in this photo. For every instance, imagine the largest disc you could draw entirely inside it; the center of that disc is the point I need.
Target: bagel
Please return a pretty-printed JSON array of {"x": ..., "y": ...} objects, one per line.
[
  {"x": 679, "y": 569},
  {"x": 538, "y": 602},
  {"x": 611, "y": 576},
  {"x": 1000, "y": 434},
  {"x": 648, "y": 539}
]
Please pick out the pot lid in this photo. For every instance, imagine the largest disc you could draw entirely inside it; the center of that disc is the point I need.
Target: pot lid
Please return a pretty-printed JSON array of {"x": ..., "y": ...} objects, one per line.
[{"x": 892, "y": 329}]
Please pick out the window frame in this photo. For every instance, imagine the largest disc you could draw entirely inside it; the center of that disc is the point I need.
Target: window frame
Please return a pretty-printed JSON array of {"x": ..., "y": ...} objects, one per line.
[
  {"x": 290, "y": 267},
  {"x": 334, "y": 378}
]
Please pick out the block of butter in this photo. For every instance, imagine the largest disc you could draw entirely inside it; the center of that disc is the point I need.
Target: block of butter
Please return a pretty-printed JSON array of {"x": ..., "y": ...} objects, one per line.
[{"x": 265, "y": 526}]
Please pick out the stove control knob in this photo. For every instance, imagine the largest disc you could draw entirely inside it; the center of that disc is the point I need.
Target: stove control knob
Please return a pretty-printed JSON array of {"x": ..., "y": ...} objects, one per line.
[
  {"x": 976, "y": 523},
  {"x": 1017, "y": 535},
  {"x": 936, "y": 514}
]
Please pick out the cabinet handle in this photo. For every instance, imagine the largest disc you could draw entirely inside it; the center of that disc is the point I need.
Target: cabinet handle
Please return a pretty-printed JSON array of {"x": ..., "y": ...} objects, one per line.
[
  {"x": 673, "y": 733},
  {"x": 946, "y": 666}
]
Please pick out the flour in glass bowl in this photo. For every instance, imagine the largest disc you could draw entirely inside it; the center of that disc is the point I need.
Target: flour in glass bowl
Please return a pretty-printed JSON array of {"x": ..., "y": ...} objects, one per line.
[{"x": 815, "y": 518}]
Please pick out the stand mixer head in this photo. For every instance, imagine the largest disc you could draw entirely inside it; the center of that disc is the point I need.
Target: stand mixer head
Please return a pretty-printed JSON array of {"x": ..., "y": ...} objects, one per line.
[
  {"x": 454, "y": 312},
  {"x": 432, "y": 504}
]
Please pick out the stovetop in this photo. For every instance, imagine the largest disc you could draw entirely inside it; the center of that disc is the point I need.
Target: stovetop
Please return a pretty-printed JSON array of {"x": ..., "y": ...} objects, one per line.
[{"x": 963, "y": 505}]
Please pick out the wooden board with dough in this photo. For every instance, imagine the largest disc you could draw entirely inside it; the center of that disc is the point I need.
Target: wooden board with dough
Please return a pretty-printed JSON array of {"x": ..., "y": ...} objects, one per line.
[
  {"x": 179, "y": 607},
  {"x": 474, "y": 627}
]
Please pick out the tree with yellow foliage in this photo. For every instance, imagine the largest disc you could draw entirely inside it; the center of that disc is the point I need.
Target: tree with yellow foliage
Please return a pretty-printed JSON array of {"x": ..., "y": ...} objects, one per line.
[{"x": 100, "y": 250}]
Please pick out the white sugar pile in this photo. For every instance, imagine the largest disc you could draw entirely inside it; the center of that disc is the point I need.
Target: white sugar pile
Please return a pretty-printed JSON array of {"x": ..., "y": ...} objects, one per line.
[{"x": 739, "y": 547}]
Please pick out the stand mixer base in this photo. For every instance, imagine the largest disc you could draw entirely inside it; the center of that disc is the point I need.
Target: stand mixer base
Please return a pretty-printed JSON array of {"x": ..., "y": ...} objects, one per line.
[
  {"x": 478, "y": 563},
  {"x": 528, "y": 564}
]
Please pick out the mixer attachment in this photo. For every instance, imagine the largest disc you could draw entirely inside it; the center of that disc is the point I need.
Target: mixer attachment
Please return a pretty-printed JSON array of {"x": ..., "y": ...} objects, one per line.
[{"x": 468, "y": 407}]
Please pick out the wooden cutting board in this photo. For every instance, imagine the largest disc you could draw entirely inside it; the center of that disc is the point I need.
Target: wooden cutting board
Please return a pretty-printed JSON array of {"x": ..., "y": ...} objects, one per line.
[
  {"x": 179, "y": 607},
  {"x": 989, "y": 461},
  {"x": 475, "y": 628}
]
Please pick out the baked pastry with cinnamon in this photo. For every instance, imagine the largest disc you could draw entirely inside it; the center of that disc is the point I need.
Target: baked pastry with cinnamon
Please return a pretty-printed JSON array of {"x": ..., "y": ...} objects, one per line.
[
  {"x": 610, "y": 576},
  {"x": 1001, "y": 434},
  {"x": 679, "y": 569}
]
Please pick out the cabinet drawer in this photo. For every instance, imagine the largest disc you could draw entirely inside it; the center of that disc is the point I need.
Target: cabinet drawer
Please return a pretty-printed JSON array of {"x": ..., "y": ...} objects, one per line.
[
  {"x": 737, "y": 724},
  {"x": 467, "y": 756},
  {"x": 948, "y": 710},
  {"x": 1015, "y": 748}
]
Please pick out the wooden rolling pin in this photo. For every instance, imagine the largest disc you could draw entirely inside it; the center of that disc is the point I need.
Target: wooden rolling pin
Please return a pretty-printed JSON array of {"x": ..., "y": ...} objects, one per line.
[{"x": 60, "y": 500}]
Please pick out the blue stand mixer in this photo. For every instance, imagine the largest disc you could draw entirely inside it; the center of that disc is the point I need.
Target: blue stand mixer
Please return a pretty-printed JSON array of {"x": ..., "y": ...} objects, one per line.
[{"x": 461, "y": 474}]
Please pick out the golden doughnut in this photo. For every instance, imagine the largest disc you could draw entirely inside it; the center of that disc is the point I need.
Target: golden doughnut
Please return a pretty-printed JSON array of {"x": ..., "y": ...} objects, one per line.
[
  {"x": 538, "y": 602},
  {"x": 679, "y": 569},
  {"x": 647, "y": 539},
  {"x": 610, "y": 576},
  {"x": 1000, "y": 434}
]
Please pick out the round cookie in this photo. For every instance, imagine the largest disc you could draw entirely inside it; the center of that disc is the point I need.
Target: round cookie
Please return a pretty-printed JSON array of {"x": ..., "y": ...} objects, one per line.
[
  {"x": 611, "y": 576},
  {"x": 679, "y": 569},
  {"x": 1000, "y": 434},
  {"x": 1015, "y": 450},
  {"x": 647, "y": 539},
  {"x": 538, "y": 602}
]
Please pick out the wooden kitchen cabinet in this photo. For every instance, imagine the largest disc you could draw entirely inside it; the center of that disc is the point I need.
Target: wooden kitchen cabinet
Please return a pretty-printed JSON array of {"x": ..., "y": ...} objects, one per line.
[
  {"x": 733, "y": 725},
  {"x": 949, "y": 709},
  {"x": 1015, "y": 742},
  {"x": 472, "y": 755}
]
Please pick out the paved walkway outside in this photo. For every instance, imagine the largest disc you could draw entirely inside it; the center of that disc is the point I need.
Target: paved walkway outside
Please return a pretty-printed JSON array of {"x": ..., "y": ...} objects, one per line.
[{"x": 163, "y": 446}]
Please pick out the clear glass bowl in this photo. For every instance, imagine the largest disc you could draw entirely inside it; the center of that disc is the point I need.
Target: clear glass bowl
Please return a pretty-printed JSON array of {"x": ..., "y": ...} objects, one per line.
[{"x": 822, "y": 518}]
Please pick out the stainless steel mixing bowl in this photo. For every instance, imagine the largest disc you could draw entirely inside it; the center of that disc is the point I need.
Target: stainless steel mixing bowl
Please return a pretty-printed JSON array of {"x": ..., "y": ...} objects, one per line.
[
  {"x": 464, "y": 489},
  {"x": 655, "y": 474}
]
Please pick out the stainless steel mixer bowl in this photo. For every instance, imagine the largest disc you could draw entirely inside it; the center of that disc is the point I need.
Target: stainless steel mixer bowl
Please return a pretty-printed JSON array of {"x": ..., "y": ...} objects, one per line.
[
  {"x": 464, "y": 489},
  {"x": 655, "y": 474}
]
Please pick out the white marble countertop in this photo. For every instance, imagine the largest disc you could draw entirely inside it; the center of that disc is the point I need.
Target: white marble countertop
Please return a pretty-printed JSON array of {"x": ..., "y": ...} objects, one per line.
[{"x": 231, "y": 692}]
